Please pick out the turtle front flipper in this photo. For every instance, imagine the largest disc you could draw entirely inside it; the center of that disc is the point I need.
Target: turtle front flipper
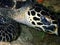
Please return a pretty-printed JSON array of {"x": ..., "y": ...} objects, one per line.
[{"x": 9, "y": 30}]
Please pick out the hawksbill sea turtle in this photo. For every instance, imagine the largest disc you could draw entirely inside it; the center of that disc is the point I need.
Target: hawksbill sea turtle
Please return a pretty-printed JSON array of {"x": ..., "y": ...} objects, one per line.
[{"x": 33, "y": 15}]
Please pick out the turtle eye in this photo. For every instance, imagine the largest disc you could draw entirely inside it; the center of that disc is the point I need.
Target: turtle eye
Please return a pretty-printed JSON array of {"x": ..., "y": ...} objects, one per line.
[{"x": 45, "y": 21}]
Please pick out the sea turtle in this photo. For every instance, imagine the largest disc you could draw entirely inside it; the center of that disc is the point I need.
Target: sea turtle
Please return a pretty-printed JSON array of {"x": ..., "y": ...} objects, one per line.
[{"x": 33, "y": 15}]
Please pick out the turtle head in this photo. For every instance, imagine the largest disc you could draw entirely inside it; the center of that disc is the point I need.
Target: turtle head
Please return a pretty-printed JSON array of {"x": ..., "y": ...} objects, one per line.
[{"x": 39, "y": 17}]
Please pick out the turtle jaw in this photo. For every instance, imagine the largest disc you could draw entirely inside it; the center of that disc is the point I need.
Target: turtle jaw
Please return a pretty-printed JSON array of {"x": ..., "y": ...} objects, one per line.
[
  {"x": 20, "y": 15},
  {"x": 19, "y": 18}
]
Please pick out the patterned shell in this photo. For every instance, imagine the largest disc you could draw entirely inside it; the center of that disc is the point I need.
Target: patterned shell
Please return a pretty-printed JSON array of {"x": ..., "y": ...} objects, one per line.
[{"x": 8, "y": 29}]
